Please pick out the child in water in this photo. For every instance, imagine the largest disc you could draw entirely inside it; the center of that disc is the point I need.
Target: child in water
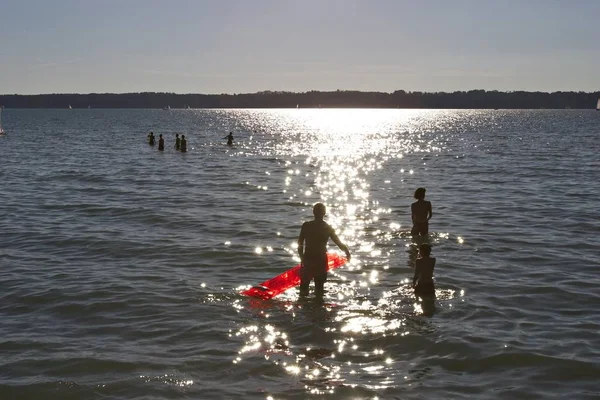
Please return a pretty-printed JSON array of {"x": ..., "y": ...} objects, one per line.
[
  {"x": 421, "y": 213},
  {"x": 177, "y": 141},
  {"x": 161, "y": 142},
  {"x": 315, "y": 235},
  {"x": 151, "y": 138},
  {"x": 183, "y": 144},
  {"x": 423, "y": 279}
]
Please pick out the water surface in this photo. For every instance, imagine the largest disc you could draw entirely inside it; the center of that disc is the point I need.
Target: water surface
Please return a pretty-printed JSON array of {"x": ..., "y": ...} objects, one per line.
[{"x": 121, "y": 265}]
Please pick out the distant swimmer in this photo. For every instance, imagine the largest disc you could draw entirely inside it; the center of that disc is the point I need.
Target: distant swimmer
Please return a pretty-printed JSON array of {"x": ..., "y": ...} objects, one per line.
[
  {"x": 421, "y": 213},
  {"x": 161, "y": 142},
  {"x": 423, "y": 279},
  {"x": 177, "y": 142},
  {"x": 151, "y": 138},
  {"x": 229, "y": 139},
  {"x": 312, "y": 248},
  {"x": 183, "y": 144}
]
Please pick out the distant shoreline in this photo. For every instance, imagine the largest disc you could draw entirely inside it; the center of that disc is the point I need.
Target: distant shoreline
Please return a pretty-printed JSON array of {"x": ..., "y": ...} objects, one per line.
[{"x": 473, "y": 99}]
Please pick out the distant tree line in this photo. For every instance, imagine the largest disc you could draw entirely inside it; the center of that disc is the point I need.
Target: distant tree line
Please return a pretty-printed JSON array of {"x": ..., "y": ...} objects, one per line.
[{"x": 313, "y": 99}]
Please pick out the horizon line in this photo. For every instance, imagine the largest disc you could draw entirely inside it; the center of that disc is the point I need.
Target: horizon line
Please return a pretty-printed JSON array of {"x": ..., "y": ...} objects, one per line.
[{"x": 301, "y": 92}]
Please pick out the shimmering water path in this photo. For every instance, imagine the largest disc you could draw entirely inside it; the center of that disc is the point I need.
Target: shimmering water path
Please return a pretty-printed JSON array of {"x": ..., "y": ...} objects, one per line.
[{"x": 120, "y": 265}]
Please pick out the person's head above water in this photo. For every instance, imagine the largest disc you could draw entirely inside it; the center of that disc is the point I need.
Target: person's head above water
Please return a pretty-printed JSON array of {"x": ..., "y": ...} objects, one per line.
[
  {"x": 183, "y": 136},
  {"x": 160, "y": 135},
  {"x": 425, "y": 250},
  {"x": 319, "y": 210},
  {"x": 177, "y": 135},
  {"x": 420, "y": 193}
]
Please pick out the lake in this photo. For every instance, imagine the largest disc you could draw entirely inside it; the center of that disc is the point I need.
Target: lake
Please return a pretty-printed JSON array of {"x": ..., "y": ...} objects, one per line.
[{"x": 121, "y": 266}]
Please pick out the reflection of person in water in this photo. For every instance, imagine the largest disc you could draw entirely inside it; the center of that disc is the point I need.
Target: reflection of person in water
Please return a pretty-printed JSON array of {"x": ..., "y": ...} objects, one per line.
[
  {"x": 421, "y": 213},
  {"x": 315, "y": 235},
  {"x": 423, "y": 278},
  {"x": 229, "y": 139}
]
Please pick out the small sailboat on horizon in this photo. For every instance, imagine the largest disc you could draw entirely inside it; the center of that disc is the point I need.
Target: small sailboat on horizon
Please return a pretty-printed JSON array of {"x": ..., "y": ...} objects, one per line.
[{"x": 598, "y": 105}]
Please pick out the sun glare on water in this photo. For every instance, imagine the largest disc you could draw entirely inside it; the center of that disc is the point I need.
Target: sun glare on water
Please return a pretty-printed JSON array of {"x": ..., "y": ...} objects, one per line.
[{"x": 328, "y": 157}]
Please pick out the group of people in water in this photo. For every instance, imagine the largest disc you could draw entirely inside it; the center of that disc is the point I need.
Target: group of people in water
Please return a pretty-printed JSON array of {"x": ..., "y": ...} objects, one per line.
[
  {"x": 180, "y": 143},
  {"x": 314, "y": 235}
]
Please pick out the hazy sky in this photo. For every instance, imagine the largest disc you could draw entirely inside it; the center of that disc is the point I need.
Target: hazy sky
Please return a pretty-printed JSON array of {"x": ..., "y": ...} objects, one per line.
[{"x": 238, "y": 46}]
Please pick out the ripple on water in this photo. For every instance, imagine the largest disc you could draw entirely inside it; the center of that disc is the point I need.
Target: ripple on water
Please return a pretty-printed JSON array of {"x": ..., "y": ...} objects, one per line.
[{"x": 123, "y": 266}]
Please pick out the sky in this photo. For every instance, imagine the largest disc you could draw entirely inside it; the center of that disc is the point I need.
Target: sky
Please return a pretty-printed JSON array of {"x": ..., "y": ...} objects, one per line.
[{"x": 242, "y": 46}]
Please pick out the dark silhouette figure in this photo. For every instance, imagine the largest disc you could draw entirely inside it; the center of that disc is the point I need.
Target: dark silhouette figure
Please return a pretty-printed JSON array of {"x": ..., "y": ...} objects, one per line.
[
  {"x": 312, "y": 248},
  {"x": 421, "y": 213},
  {"x": 183, "y": 144},
  {"x": 151, "y": 138},
  {"x": 229, "y": 139},
  {"x": 423, "y": 279},
  {"x": 177, "y": 142},
  {"x": 161, "y": 142}
]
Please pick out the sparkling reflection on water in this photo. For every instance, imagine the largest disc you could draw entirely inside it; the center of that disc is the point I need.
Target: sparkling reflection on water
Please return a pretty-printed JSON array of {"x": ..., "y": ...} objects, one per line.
[
  {"x": 345, "y": 341},
  {"x": 125, "y": 263}
]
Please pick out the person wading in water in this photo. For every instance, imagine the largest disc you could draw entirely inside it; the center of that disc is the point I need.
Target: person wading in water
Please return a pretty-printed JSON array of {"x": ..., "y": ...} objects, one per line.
[{"x": 312, "y": 248}]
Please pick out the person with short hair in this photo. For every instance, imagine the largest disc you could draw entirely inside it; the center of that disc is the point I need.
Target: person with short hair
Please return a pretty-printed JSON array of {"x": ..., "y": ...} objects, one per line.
[{"x": 312, "y": 248}]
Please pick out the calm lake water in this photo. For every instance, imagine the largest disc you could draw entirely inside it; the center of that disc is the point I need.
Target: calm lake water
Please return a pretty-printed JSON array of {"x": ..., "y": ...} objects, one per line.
[{"x": 121, "y": 265}]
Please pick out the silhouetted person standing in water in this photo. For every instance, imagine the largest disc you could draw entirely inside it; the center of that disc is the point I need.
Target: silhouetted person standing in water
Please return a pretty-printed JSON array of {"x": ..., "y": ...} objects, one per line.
[
  {"x": 177, "y": 142},
  {"x": 161, "y": 142},
  {"x": 183, "y": 144},
  {"x": 312, "y": 248},
  {"x": 423, "y": 279},
  {"x": 229, "y": 139},
  {"x": 151, "y": 138},
  {"x": 421, "y": 213}
]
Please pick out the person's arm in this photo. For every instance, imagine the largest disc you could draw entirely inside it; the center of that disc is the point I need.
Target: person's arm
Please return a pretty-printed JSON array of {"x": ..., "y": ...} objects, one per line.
[
  {"x": 412, "y": 212},
  {"x": 301, "y": 244},
  {"x": 417, "y": 273},
  {"x": 341, "y": 245},
  {"x": 429, "y": 212}
]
